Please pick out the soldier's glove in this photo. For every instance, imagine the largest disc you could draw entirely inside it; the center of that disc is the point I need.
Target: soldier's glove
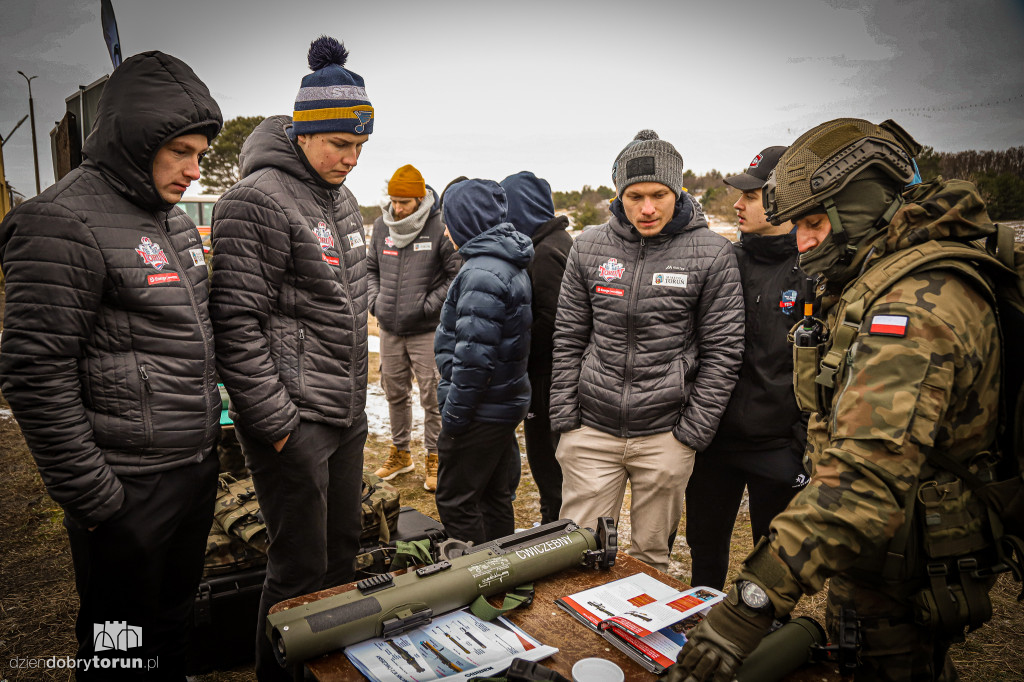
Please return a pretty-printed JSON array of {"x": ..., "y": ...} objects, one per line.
[{"x": 715, "y": 649}]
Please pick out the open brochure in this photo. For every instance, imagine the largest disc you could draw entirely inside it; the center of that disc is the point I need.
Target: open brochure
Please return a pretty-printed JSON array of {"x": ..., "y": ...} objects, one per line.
[
  {"x": 455, "y": 646},
  {"x": 642, "y": 616}
]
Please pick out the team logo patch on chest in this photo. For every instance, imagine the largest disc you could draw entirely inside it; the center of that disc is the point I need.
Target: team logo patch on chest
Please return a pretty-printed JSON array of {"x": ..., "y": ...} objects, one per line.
[
  {"x": 609, "y": 291},
  {"x": 389, "y": 242},
  {"x": 888, "y": 325},
  {"x": 612, "y": 269},
  {"x": 151, "y": 253},
  {"x": 355, "y": 239},
  {"x": 421, "y": 246},
  {"x": 670, "y": 279},
  {"x": 788, "y": 301},
  {"x": 324, "y": 236}
]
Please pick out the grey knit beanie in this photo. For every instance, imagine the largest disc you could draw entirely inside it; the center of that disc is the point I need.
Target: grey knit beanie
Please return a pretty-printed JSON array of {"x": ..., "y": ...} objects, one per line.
[{"x": 648, "y": 159}]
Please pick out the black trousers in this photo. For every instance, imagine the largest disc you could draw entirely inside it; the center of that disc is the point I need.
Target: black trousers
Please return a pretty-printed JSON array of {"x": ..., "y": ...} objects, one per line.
[
  {"x": 137, "y": 575},
  {"x": 309, "y": 494},
  {"x": 713, "y": 497},
  {"x": 541, "y": 443},
  {"x": 473, "y": 496}
]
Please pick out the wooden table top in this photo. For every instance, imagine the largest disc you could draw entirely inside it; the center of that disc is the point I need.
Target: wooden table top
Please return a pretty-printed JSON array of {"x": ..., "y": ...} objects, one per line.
[{"x": 549, "y": 624}]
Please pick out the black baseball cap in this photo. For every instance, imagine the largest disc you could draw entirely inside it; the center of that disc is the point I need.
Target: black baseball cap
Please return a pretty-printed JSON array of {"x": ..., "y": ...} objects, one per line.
[{"x": 757, "y": 172}]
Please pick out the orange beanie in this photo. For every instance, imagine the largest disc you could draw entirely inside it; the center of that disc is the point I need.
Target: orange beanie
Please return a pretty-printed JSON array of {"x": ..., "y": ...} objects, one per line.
[{"x": 407, "y": 182}]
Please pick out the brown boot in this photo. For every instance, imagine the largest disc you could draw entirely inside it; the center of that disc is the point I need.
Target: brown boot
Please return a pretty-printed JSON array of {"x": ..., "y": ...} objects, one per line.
[
  {"x": 398, "y": 462},
  {"x": 430, "y": 482}
]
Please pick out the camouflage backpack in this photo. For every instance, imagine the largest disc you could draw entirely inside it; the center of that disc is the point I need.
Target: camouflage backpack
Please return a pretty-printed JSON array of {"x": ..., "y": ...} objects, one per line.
[
  {"x": 381, "y": 504},
  {"x": 227, "y": 553},
  {"x": 238, "y": 512},
  {"x": 958, "y": 556},
  {"x": 238, "y": 537}
]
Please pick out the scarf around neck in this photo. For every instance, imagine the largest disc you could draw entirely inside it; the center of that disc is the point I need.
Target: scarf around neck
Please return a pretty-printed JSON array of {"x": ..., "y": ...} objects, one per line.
[{"x": 404, "y": 231}]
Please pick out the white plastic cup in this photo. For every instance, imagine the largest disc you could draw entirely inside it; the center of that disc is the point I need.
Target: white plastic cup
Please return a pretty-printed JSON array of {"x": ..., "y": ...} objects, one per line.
[{"x": 596, "y": 670}]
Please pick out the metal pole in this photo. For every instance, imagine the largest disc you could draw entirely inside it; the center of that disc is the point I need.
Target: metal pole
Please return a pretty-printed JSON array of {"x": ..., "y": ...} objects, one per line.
[
  {"x": 81, "y": 114},
  {"x": 32, "y": 122}
]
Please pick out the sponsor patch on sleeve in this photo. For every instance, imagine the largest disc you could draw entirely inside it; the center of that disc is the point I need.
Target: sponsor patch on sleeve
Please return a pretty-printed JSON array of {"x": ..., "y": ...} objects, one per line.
[
  {"x": 609, "y": 291},
  {"x": 355, "y": 239},
  {"x": 422, "y": 246},
  {"x": 162, "y": 278},
  {"x": 669, "y": 279},
  {"x": 197, "y": 256},
  {"x": 888, "y": 325}
]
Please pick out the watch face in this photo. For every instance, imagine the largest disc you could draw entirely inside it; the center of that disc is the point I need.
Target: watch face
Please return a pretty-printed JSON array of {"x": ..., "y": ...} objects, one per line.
[{"x": 753, "y": 596}]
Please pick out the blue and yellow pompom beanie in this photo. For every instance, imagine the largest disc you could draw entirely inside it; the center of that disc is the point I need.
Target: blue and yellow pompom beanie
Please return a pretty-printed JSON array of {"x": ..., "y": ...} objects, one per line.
[{"x": 332, "y": 99}]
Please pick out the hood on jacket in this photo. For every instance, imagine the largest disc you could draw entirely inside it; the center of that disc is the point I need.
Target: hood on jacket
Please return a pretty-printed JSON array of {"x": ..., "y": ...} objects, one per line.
[
  {"x": 436, "y": 208},
  {"x": 271, "y": 146},
  {"x": 529, "y": 201},
  {"x": 472, "y": 207},
  {"x": 502, "y": 241},
  {"x": 150, "y": 99},
  {"x": 688, "y": 216},
  {"x": 939, "y": 209}
]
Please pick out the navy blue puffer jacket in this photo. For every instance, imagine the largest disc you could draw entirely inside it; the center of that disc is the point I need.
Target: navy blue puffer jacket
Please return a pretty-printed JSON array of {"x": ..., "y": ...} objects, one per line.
[{"x": 483, "y": 341}]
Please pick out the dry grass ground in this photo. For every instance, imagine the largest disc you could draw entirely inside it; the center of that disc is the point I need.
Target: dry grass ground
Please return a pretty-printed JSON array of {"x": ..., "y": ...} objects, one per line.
[{"x": 38, "y": 600}]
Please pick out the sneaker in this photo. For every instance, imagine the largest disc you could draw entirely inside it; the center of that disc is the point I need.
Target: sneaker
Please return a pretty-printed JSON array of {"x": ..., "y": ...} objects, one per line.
[
  {"x": 430, "y": 482},
  {"x": 398, "y": 462}
]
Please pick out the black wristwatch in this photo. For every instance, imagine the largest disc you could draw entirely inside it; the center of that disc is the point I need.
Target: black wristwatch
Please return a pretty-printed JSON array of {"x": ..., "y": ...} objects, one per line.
[{"x": 754, "y": 597}]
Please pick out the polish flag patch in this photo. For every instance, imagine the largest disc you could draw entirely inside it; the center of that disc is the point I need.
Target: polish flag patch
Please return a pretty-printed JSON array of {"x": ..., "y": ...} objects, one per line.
[{"x": 888, "y": 325}]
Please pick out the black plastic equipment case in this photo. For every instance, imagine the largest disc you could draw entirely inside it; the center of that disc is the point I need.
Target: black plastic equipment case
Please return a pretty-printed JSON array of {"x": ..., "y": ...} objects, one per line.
[{"x": 223, "y": 634}]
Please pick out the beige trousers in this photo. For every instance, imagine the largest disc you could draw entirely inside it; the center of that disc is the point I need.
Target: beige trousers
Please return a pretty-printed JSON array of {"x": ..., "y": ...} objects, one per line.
[
  {"x": 401, "y": 358},
  {"x": 595, "y": 469}
]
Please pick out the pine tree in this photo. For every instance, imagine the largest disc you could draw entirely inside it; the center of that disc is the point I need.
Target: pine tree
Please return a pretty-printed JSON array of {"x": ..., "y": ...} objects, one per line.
[{"x": 220, "y": 166}]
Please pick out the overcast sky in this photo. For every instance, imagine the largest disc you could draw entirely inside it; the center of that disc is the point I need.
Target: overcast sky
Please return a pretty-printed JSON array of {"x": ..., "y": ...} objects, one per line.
[{"x": 557, "y": 87}]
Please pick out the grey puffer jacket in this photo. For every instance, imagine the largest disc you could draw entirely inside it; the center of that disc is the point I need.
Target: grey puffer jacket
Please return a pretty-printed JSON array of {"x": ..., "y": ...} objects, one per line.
[
  {"x": 407, "y": 286},
  {"x": 289, "y": 291},
  {"x": 107, "y": 357},
  {"x": 649, "y": 331}
]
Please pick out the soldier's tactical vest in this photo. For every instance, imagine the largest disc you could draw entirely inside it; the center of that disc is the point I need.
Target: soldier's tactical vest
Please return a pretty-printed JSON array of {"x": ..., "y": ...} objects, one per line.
[{"x": 964, "y": 526}]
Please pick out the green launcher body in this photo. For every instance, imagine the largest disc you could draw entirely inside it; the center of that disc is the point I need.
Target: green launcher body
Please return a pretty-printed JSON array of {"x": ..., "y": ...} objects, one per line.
[{"x": 388, "y": 605}]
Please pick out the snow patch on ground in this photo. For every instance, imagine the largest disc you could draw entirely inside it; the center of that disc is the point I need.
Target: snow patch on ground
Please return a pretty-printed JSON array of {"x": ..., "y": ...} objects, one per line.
[{"x": 377, "y": 416}]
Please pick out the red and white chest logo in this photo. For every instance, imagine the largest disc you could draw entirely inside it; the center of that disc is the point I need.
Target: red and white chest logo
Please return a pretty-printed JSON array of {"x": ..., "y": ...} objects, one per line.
[
  {"x": 612, "y": 269},
  {"x": 388, "y": 241},
  {"x": 324, "y": 236},
  {"x": 151, "y": 253}
]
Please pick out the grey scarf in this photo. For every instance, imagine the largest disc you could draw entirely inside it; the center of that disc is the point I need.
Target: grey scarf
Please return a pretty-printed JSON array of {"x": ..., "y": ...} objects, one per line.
[{"x": 405, "y": 231}]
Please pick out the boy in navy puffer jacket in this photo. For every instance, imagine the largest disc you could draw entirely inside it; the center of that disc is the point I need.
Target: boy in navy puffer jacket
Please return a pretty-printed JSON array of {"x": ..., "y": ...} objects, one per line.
[{"x": 482, "y": 346}]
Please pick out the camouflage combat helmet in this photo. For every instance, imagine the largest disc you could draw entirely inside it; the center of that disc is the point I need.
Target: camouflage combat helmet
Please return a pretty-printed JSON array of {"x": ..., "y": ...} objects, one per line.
[
  {"x": 823, "y": 160},
  {"x": 849, "y": 169}
]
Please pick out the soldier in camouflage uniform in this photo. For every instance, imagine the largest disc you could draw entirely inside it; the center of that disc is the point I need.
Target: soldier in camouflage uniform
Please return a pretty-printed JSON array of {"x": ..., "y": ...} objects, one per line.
[{"x": 922, "y": 374}]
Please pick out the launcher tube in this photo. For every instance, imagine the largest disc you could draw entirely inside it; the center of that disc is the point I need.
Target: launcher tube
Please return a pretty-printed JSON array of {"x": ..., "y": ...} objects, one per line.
[{"x": 411, "y": 599}]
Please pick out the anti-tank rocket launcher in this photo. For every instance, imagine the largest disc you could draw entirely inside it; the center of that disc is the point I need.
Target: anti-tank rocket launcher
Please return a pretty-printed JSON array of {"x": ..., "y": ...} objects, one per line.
[{"x": 388, "y": 605}]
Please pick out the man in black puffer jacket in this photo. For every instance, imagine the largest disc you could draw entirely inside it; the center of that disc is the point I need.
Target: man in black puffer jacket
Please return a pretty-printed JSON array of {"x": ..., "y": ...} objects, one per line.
[
  {"x": 648, "y": 341},
  {"x": 532, "y": 211},
  {"x": 289, "y": 311},
  {"x": 761, "y": 439},
  {"x": 482, "y": 345},
  {"x": 410, "y": 264},
  {"x": 107, "y": 362}
]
